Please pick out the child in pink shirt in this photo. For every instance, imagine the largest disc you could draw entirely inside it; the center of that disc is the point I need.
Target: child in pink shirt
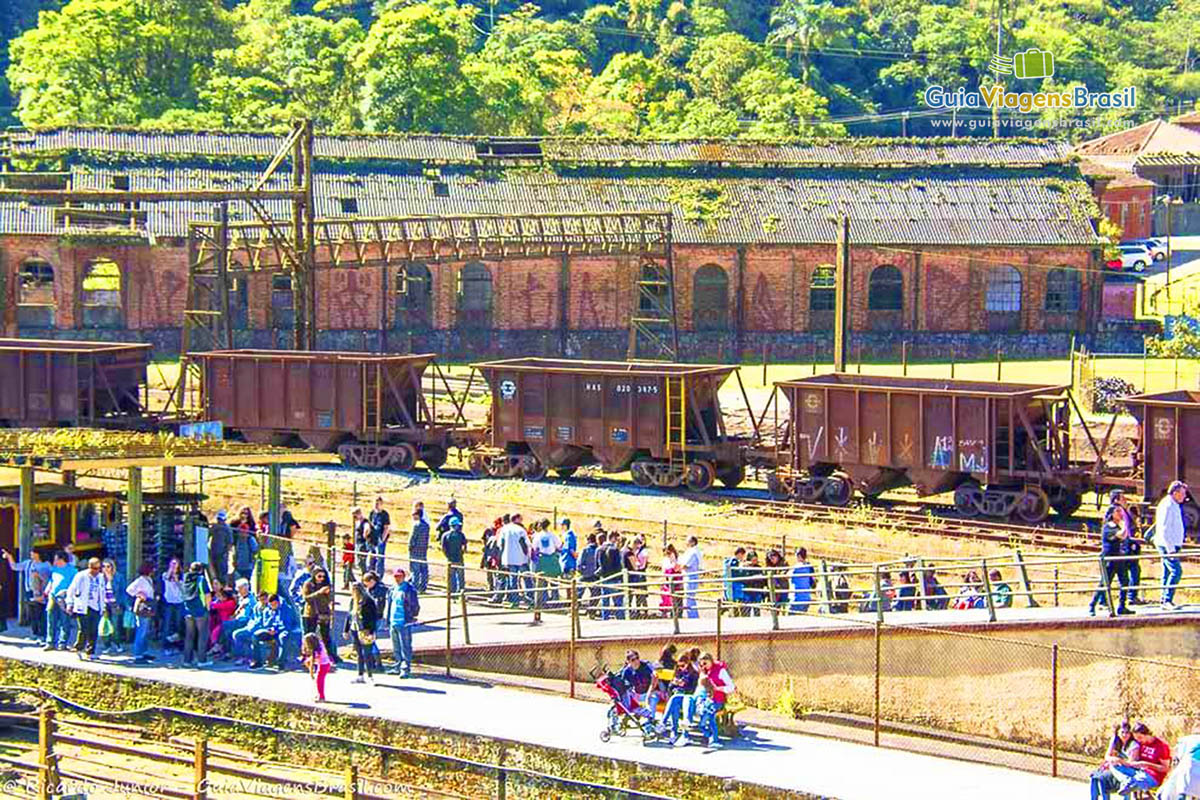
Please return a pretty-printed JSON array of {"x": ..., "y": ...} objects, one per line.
[{"x": 317, "y": 659}]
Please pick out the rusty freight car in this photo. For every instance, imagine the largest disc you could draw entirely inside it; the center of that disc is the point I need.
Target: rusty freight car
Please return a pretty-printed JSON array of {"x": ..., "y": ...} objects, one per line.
[
  {"x": 662, "y": 422},
  {"x": 1002, "y": 448},
  {"x": 370, "y": 409},
  {"x": 48, "y": 383},
  {"x": 1169, "y": 428}
]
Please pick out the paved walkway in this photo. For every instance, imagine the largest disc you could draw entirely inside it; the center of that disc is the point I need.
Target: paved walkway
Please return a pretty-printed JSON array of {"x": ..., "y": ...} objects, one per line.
[{"x": 824, "y": 767}]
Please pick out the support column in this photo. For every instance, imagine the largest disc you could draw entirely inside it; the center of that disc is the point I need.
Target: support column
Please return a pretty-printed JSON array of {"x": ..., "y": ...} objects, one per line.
[
  {"x": 168, "y": 479},
  {"x": 133, "y": 545},
  {"x": 841, "y": 312},
  {"x": 274, "y": 496},
  {"x": 25, "y": 513},
  {"x": 68, "y": 477}
]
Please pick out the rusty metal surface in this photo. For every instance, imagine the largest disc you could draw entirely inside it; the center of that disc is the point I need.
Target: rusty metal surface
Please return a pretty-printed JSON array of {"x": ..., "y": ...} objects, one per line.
[
  {"x": 918, "y": 426},
  {"x": 69, "y": 382},
  {"x": 564, "y": 410},
  {"x": 1170, "y": 432},
  {"x": 322, "y": 397}
]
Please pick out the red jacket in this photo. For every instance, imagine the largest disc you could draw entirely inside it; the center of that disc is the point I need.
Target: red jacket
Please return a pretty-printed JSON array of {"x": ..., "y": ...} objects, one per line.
[{"x": 722, "y": 686}]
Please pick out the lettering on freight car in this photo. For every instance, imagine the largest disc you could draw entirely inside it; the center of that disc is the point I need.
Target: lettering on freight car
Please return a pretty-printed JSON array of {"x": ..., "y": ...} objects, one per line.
[
  {"x": 842, "y": 441},
  {"x": 813, "y": 442},
  {"x": 647, "y": 388},
  {"x": 623, "y": 388},
  {"x": 535, "y": 432},
  {"x": 508, "y": 390},
  {"x": 324, "y": 419},
  {"x": 906, "y": 448},
  {"x": 591, "y": 387},
  {"x": 943, "y": 447},
  {"x": 1163, "y": 426},
  {"x": 974, "y": 462},
  {"x": 873, "y": 447},
  {"x": 564, "y": 432},
  {"x": 812, "y": 402},
  {"x": 620, "y": 434}
]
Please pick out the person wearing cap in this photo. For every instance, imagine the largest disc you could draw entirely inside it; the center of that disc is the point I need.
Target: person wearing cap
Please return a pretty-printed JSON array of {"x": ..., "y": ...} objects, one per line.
[
  {"x": 220, "y": 540},
  {"x": 1168, "y": 538},
  {"x": 418, "y": 550},
  {"x": 454, "y": 547},
  {"x": 452, "y": 513},
  {"x": 406, "y": 606},
  {"x": 1112, "y": 537}
]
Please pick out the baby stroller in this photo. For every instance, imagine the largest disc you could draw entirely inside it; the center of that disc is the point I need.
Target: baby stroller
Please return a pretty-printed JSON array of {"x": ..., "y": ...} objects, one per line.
[{"x": 625, "y": 714}]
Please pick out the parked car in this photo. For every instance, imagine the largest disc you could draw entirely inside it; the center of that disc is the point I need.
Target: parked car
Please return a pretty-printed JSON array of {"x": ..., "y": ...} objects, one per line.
[
  {"x": 1157, "y": 245},
  {"x": 1135, "y": 257}
]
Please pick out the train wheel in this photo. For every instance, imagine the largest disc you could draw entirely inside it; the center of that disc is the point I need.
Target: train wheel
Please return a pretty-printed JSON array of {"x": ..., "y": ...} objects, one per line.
[
  {"x": 403, "y": 457},
  {"x": 532, "y": 469},
  {"x": 640, "y": 472},
  {"x": 1065, "y": 502},
  {"x": 966, "y": 499},
  {"x": 700, "y": 476},
  {"x": 565, "y": 472},
  {"x": 1034, "y": 505},
  {"x": 434, "y": 456},
  {"x": 838, "y": 491},
  {"x": 733, "y": 476},
  {"x": 478, "y": 465}
]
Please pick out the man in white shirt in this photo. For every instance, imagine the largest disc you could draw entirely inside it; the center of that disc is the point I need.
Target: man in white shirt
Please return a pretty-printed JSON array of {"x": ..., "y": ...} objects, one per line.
[
  {"x": 1168, "y": 538},
  {"x": 514, "y": 556},
  {"x": 85, "y": 600},
  {"x": 691, "y": 563}
]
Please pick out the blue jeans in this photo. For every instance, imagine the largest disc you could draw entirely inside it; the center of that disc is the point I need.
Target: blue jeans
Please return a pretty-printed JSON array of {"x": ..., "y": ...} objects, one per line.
[
  {"x": 674, "y": 711},
  {"x": 420, "y": 572},
  {"x": 456, "y": 578},
  {"x": 377, "y": 561},
  {"x": 1172, "y": 572},
  {"x": 60, "y": 627},
  {"x": 612, "y": 598},
  {"x": 402, "y": 648},
  {"x": 242, "y": 638},
  {"x": 141, "y": 637},
  {"x": 708, "y": 719},
  {"x": 1120, "y": 778},
  {"x": 172, "y": 621},
  {"x": 512, "y": 586}
]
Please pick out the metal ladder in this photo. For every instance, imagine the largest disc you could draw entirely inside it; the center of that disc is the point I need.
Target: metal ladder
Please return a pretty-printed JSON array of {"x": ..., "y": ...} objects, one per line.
[
  {"x": 371, "y": 397},
  {"x": 676, "y": 408}
]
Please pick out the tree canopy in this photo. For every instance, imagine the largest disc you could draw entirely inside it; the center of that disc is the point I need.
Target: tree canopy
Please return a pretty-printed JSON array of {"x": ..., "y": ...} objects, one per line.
[{"x": 630, "y": 68}]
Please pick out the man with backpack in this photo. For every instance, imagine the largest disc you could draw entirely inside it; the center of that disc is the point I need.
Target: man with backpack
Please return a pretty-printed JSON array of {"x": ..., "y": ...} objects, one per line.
[{"x": 406, "y": 606}]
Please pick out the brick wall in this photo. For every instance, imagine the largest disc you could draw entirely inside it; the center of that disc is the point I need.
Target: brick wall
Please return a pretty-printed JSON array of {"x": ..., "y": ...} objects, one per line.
[
  {"x": 944, "y": 291},
  {"x": 1130, "y": 207}
]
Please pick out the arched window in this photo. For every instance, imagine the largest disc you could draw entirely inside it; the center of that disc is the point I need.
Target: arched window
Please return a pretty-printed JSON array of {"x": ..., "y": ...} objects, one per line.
[
  {"x": 1003, "y": 289},
  {"x": 1062, "y": 290},
  {"x": 885, "y": 291},
  {"x": 822, "y": 292},
  {"x": 283, "y": 307},
  {"x": 35, "y": 295},
  {"x": 101, "y": 295},
  {"x": 475, "y": 296},
  {"x": 414, "y": 297},
  {"x": 710, "y": 299}
]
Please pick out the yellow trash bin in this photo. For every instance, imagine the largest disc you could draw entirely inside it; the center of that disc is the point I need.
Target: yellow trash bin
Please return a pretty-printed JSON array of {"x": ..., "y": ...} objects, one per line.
[{"x": 268, "y": 571}]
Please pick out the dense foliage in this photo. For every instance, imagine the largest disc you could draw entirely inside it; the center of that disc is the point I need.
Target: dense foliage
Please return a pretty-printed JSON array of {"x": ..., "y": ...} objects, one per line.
[{"x": 629, "y": 68}]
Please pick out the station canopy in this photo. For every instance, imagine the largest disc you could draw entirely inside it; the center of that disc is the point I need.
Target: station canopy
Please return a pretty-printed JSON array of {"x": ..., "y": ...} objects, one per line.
[{"x": 91, "y": 448}]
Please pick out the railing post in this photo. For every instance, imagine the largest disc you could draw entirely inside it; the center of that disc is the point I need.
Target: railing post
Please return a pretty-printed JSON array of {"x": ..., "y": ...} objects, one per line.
[
  {"x": 921, "y": 584},
  {"x": 878, "y": 597},
  {"x": 625, "y": 589},
  {"x": 46, "y": 767},
  {"x": 200, "y": 775},
  {"x": 574, "y": 621},
  {"x": 774, "y": 607},
  {"x": 538, "y": 592},
  {"x": 1054, "y": 710},
  {"x": 827, "y": 588},
  {"x": 501, "y": 783},
  {"x": 449, "y": 611},
  {"x": 878, "y": 670},
  {"x": 1056, "y": 587},
  {"x": 1025, "y": 582},
  {"x": 351, "y": 783},
  {"x": 987, "y": 588},
  {"x": 463, "y": 597},
  {"x": 720, "y": 608}
]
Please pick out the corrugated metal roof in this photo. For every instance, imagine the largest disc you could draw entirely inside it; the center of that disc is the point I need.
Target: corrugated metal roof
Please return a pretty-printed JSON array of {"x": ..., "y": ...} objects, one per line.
[
  {"x": 463, "y": 149},
  {"x": 1003, "y": 208}
]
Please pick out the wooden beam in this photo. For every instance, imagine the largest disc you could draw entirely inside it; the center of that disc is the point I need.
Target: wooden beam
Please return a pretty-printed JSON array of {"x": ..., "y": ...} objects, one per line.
[
  {"x": 25, "y": 512},
  {"x": 133, "y": 518}
]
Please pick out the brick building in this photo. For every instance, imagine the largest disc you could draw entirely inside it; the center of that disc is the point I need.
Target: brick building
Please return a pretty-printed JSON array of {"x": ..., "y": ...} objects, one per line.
[{"x": 956, "y": 246}]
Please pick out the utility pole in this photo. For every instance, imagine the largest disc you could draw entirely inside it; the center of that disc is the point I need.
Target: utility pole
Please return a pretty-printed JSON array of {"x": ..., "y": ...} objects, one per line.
[
  {"x": 904, "y": 125},
  {"x": 841, "y": 305},
  {"x": 999, "y": 56}
]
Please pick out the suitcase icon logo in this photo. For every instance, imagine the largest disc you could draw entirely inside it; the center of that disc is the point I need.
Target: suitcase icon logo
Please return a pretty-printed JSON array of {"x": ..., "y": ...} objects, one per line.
[{"x": 1033, "y": 64}]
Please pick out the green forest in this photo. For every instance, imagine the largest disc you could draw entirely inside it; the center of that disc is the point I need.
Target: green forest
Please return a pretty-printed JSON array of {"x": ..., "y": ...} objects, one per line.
[{"x": 756, "y": 69}]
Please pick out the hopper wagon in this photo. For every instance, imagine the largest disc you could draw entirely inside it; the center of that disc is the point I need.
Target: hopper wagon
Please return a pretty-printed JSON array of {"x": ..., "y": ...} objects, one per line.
[
  {"x": 662, "y": 422},
  {"x": 60, "y": 383},
  {"x": 368, "y": 408},
  {"x": 1002, "y": 448},
  {"x": 1169, "y": 446}
]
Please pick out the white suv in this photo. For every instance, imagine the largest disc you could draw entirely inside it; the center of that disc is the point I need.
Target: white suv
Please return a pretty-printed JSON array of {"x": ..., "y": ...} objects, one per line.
[{"x": 1135, "y": 257}]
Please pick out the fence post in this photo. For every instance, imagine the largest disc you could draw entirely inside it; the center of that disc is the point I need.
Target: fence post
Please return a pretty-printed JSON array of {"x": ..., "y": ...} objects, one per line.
[
  {"x": 828, "y": 586},
  {"x": 449, "y": 613},
  {"x": 573, "y": 622},
  {"x": 538, "y": 586},
  {"x": 200, "y": 775},
  {"x": 501, "y": 783},
  {"x": 46, "y": 766},
  {"x": 354, "y": 503},
  {"x": 878, "y": 597},
  {"x": 774, "y": 606},
  {"x": 625, "y": 589},
  {"x": 921, "y": 584},
  {"x": 664, "y": 542},
  {"x": 1024, "y": 572},
  {"x": 1056, "y": 587},
  {"x": 463, "y": 597},
  {"x": 951, "y": 365},
  {"x": 999, "y": 364},
  {"x": 1054, "y": 711},
  {"x": 904, "y": 357},
  {"x": 720, "y": 608},
  {"x": 878, "y": 670},
  {"x": 351, "y": 782},
  {"x": 987, "y": 588}
]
